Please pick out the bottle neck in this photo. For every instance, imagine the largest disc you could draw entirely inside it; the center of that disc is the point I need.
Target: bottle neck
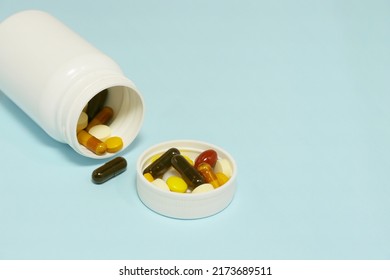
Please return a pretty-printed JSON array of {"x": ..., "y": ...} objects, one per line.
[{"x": 123, "y": 98}]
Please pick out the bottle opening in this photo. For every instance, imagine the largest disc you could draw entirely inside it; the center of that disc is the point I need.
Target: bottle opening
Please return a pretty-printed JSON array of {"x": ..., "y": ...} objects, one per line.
[{"x": 114, "y": 116}]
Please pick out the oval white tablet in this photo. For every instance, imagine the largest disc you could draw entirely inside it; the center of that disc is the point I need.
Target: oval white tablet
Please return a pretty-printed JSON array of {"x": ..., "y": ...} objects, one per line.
[
  {"x": 224, "y": 167},
  {"x": 160, "y": 183},
  {"x": 100, "y": 131},
  {"x": 203, "y": 188},
  {"x": 82, "y": 121}
]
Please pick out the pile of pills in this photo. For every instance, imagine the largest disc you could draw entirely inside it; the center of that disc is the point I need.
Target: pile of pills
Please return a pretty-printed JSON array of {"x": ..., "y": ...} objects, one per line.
[
  {"x": 93, "y": 131},
  {"x": 174, "y": 171}
]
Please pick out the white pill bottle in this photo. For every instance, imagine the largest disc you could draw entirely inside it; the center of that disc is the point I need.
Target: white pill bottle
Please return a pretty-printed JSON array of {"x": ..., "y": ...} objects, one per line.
[{"x": 51, "y": 73}]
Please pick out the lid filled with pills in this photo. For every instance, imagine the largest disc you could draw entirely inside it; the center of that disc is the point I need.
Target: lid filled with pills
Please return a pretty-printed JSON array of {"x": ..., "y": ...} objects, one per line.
[{"x": 186, "y": 179}]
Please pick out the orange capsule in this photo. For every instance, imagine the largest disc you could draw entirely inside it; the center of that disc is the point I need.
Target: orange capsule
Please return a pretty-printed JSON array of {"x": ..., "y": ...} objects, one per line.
[
  {"x": 103, "y": 117},
  {"x": 208, "y": 174},
  {"x": 91, "y": 143}
]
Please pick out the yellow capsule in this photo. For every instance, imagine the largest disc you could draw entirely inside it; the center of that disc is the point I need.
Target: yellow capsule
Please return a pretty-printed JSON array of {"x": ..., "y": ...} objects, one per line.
[
  {"x": 149, "y": 177},
  {"x": 91, "y": 143},
  {"x": 114, "y": 144},
  {"x": 222, "y": 178},
  {"x": 208, "y": 174},
  {"x": 177, "y": 184},
  {"x": 103, "y": 117}
]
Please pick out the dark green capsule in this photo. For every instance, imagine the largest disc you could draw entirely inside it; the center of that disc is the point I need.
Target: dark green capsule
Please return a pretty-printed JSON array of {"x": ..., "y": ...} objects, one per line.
[
  {"x": 162, "y": 164},
  {"x": 189, "y": 174},
  {"x": 109, "y": 170}
]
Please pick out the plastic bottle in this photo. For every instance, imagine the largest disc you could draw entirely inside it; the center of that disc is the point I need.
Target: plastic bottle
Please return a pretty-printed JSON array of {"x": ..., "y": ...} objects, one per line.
[{"x": 51, "y": 73}]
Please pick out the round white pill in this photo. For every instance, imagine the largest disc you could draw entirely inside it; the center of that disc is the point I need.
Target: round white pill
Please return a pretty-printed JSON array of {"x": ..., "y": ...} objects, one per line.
[
  {"x": 100, "y": 131},
  {"x": 203, "y": 188},
  {"x": 224, "y": 167},
  {"x": 160, "y": 183}
]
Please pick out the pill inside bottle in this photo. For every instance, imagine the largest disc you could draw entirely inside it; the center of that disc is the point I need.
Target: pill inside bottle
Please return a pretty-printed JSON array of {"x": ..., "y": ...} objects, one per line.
[{"x": 115, "y": 108}]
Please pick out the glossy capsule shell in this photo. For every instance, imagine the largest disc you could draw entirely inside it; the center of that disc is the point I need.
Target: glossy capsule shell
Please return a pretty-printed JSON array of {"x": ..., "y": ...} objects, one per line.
[
  {"x": 190, "y": 175},
  {"x": 91, "y": 143},
  {"x": 208, "y": 174},
  {"x": 210, "y": 156},
  {"x": 103, "y": 117},
  {"x": 162, "y": 164},
  {"x": 149, "y": 177},
  {"x": 109, "y": 170}
]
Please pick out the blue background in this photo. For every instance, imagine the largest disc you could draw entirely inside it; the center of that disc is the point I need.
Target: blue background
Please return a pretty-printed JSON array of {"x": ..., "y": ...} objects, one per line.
[{"x": 297, "y": 91}]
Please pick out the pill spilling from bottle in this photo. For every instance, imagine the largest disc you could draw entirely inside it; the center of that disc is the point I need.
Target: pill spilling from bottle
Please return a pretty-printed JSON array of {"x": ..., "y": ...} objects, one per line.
[
  {"x": 109, "y": 170},
  {"x": 177, "y": 172},
  {"x": 93, "y": 130}
]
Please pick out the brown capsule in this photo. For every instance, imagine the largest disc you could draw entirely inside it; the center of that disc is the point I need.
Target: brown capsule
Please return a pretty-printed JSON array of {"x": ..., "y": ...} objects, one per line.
[
  {"x": 109, "y": 170},
  {"x": 91, "y": 143},
  {"x": 158, "y": 167},
  {"x": 103, "y": 117},
  {"x": 190, "y": 175}
]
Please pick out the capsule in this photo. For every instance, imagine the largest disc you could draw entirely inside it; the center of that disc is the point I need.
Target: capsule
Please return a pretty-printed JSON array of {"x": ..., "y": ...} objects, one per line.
[
  {"x": 162, "y": 164},
  {"x": 190, "y": 175},
  {"x": 210, "y": 156},
  {"x": 148, "y": 177},
  {"x": 109, "y": 170},
  {"x": 91, "y": 143},
  {"x": 208, "y": 174},
  {"x": 96, "y": 104},
  {"x": 103, "y": 117}
]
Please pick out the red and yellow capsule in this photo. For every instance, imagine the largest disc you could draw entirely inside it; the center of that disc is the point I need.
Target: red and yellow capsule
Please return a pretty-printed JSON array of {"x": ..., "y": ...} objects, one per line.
[{"x": 208, "y": 174}]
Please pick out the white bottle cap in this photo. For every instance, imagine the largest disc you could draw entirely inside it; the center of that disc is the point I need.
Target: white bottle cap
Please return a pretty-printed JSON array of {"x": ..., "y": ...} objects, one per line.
[{"x": 185, "y": 205}]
